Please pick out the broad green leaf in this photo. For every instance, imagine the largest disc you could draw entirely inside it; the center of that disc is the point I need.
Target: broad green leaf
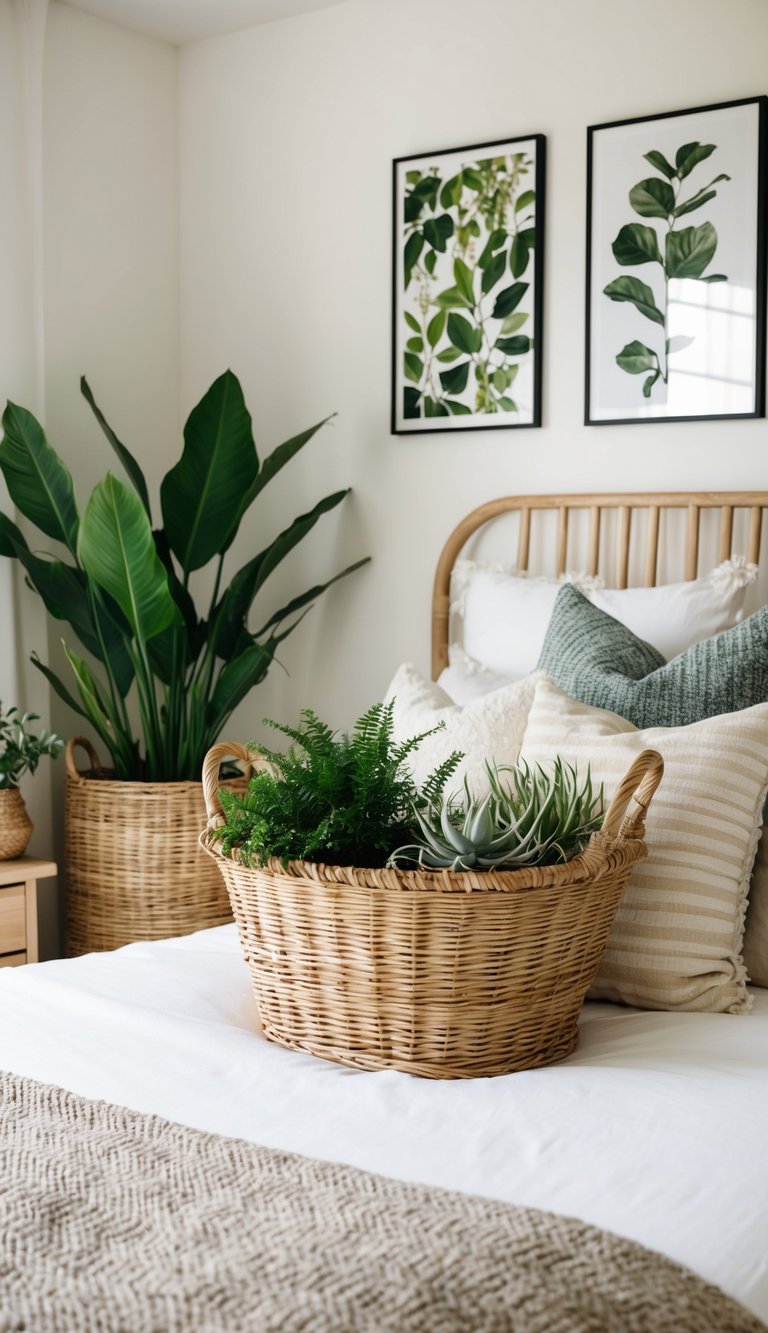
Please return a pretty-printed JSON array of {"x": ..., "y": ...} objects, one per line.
[
  {"x": 413, "y": 248},
  {"x": 509, "y": 299},
  {"x": 229, "y": 617},
  {"x": 508, "y": 404},
  {"x": 415, "y": 345},
  {"x": 458, "y": 409},
  {"x": 237, "y": 679},
  {"x": 117, "y": 551},
  {"x": 413, "y": 177},
  {"x": 58, "y": 686},
  {"x": 518, "y": 255},
  {"x": 516, "y": 346},
  {"x": 636, "y": 358},
  {"x": 412, "y": 207},
  {"x": 450, "y": 299},
  {"x": 449, "y": 354},
  {"x": 427, "y": 188},
  {"x": 473, "y": 179},
  {"x": 701, "y": 198},
  {"x": 661, "y": 164},
  {"x": 297, "y": 603},
  {"x": 495, "y": 241},
  {"x": 690, "y": 155},
  {"x": 436, "y": 328},
  {"x": 451, "y": 192},
  {"x": 715, "y": 277},
  {"x": 528, "y": 234},
  {"x": 274, "y": 462},
  {"x": 636, "y": 244},
  {"x": 201, "y": 496},
  {"x": 412, "y": 322},
  {"x": 525, "y": 200},
  {"x": 690, "y": 250},
  {"x": 413, "y": 366},
  {"x": 430, "y": 259},
  {"x": 639, "y": 293},
  {"x": 494, "y": 272},
  {"x": 455, "y": 380},
  {"x": 464, "y": 280},
  {"x": 433, "y": 409},
  {"x": 514, "y": 322},
  {"x": 438, "y": 231},
  {"x": 463, "y": 335},
  {"x": 649, "y": 383},
  {"x": 500, "y": 378},
  {"x": 652, "y": 198},
  {"x": 133, "y": 471},
  {"x": 37, "y": 480},
  {"x": 411, "y": 398}
]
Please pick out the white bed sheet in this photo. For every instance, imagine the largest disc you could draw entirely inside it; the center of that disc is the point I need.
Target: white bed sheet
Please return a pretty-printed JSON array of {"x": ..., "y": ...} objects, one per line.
[{"x": 655, "y": 1128}]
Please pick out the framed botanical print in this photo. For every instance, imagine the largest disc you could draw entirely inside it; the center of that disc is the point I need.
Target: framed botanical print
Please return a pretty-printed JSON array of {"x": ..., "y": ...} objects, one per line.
[
  {"x": 676, "y": 235},
  {"x": 467, "y": 287}
]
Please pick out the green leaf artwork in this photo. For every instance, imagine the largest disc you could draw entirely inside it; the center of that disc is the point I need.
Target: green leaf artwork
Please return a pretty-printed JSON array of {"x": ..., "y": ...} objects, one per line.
[
  {"x": 673, "y": 252},
  {"x": 465, "y": 320}
]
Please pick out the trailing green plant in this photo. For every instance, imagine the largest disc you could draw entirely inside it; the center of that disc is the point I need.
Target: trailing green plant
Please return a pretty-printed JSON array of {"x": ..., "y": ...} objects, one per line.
[
  {"x": 342, "y": 799},
  {"x": 124, "y": 585},
  {"x": 680, "y": 253},
  {"x": 20, "y": 749},
  {"x": 473, "y": 230},
  {"x": 529, "y": 816}
]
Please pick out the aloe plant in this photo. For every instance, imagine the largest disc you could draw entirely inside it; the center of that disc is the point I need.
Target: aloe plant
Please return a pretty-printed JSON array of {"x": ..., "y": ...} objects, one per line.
[
  {"x": 124, "y": 586},
  {"x": 679, "y": 252},
  {"x": 529, "y": 816}
]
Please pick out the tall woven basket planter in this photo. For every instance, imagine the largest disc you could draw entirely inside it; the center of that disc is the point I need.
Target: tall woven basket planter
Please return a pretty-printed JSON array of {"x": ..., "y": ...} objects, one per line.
[
  {"x": 443, "y": 974},
  {"x": 134, "y": 870}
]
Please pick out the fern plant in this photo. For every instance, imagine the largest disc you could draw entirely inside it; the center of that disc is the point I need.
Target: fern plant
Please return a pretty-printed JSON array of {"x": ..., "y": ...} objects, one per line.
[{"x": 343, "y": 799}]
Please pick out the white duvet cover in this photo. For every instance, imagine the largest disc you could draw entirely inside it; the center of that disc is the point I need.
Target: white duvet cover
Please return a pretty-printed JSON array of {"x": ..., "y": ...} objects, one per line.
[{"x": 656, "y": 1127}]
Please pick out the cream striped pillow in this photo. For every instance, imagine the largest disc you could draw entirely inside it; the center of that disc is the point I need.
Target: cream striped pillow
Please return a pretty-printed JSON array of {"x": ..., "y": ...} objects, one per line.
[{"x": 677, "y": 936}]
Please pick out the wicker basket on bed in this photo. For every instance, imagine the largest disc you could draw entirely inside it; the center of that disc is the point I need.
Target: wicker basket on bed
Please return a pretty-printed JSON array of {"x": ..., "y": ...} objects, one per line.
[{"x": 438, "y": 973}]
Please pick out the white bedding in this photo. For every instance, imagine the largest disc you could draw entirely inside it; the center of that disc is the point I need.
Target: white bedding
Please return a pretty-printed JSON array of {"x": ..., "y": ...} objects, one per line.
[{"x": 656, "y": 1127}]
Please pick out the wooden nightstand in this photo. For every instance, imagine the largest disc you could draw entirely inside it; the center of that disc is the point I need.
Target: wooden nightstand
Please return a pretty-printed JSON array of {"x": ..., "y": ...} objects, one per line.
[{"x": 18, "y": 908}]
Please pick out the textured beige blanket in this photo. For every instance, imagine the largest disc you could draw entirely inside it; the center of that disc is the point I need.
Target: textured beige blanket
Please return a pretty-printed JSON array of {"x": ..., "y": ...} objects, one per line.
[{"x": 115, "y": 1221}]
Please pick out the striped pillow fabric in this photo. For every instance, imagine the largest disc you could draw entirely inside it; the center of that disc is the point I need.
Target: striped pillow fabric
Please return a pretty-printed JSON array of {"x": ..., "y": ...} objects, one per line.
[{"x": 677, "y": 936}]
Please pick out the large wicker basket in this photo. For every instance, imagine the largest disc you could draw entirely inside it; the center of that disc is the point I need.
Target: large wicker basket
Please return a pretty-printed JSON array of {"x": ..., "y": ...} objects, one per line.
[
  {"x": 134, "y": 870},
  {"x": 447, "y": 975}
]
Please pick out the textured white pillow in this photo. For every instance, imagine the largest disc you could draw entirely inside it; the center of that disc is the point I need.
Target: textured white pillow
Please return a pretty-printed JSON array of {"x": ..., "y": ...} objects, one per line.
[
  {"x": 756, "y": 932},
  {"x": 465, "y": 679},
  {"x": 487, "y": 728},
  {"x": 676, "y": 938},
  {"x": 504, "y": 615}
]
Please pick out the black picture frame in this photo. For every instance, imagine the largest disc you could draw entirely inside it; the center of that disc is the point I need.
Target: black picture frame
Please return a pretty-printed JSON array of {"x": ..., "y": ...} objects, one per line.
[
  {"x": 502, "y": 180},
  {"x": 712, "y": 322}
]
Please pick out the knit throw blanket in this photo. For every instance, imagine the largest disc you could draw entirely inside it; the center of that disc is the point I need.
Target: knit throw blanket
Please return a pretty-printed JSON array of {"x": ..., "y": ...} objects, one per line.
[{"x": 113, "y": 1220}]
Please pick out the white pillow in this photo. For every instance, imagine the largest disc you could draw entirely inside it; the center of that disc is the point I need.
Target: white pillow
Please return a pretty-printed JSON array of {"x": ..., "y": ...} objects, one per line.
[
  {"x": 505, "y": 615},
  {"x": 676, "y": 938},
  {"x": 488, "y": 728},
  {"x": 464, "y": 679}
]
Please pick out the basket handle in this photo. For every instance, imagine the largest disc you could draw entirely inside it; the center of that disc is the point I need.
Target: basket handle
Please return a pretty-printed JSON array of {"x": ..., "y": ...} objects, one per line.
[
  {"x": 640, "y": 781},
  {"x": 211, "y": 765},
  {"x": 69, "y": 755}
]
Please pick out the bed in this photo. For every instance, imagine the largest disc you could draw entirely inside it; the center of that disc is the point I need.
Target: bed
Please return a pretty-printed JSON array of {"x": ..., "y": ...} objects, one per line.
[{"x": 653, "y": 1130}]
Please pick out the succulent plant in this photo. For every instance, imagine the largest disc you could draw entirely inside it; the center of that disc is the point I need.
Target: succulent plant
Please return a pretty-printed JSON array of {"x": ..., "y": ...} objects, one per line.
[{"x": 529, "y": 816}]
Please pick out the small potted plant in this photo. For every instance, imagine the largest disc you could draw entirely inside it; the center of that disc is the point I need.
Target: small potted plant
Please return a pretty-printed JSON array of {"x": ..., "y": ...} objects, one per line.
[
  {"x": 20, "y": 752},
  {"x": 386, "y": 927}
]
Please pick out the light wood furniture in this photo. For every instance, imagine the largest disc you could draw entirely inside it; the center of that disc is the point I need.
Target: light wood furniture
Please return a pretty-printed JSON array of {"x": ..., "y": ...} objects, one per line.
[
  {"x": 626, "y": 508},
  {"x": 18, "y": 909}
]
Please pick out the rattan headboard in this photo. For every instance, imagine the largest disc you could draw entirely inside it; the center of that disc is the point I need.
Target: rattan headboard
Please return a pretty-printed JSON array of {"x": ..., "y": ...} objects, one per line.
[{"x": 625, "y": 507}]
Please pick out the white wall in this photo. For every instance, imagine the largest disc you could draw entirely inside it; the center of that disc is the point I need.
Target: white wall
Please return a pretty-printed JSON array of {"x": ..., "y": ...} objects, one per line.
[
  {"x": 110, "y": 271},
  {"x": 287, "y": 134}
]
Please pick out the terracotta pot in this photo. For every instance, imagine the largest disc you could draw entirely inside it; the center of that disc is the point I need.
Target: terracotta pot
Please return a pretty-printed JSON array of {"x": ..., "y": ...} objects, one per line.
[{"x": 15, "y": 824}]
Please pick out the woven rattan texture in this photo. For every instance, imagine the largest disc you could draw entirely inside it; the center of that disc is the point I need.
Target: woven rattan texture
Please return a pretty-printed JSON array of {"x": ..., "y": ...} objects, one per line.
[
  {"x": 441, "y": 974},
  {"x": 15, "y": 824},
  {"x": 134, "y": 870}
]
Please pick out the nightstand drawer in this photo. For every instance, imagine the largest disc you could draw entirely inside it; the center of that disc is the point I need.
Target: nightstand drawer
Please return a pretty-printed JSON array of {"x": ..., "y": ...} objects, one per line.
[
  {"x": 13, "y": 920},
  {"x": 13, "y": 959}
]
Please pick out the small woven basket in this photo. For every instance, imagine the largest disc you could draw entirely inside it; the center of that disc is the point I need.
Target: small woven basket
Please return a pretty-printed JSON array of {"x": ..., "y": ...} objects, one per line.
[
  {"x": 15, "y": 824},
  {"x": 438, "y": 973},
  {"x": 134, "y": 870}
]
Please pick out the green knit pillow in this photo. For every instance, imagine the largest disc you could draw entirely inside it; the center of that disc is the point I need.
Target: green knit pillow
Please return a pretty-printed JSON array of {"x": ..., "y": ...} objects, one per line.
[{"x": 600, "y": 662}]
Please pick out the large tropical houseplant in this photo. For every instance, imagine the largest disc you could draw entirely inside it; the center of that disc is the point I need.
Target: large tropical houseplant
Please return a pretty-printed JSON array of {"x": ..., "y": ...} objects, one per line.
[{"x": 158, "y": 679}]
